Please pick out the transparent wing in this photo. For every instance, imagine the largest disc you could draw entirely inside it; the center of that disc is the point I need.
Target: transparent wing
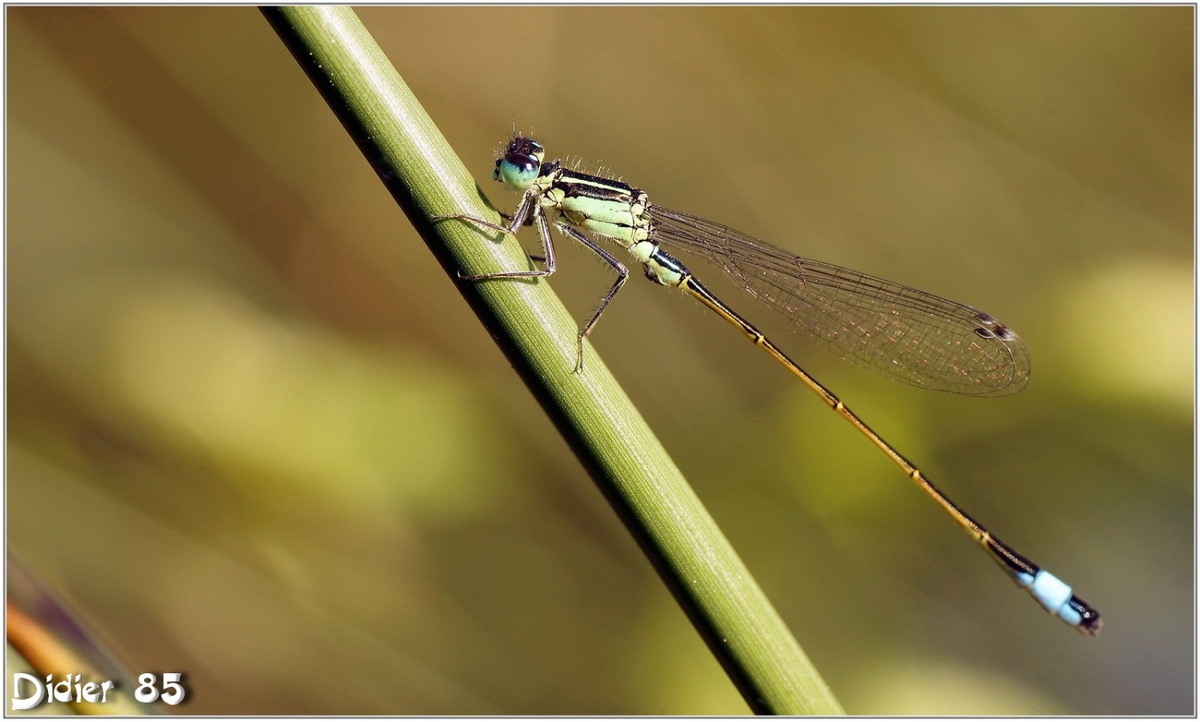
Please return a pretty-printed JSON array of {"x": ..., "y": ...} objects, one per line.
[{"x": 899, "y": 332}]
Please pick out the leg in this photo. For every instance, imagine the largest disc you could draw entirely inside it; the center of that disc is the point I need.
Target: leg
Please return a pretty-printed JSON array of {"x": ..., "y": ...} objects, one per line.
[
  {"x": 523, "y": 211},
  {"x": 622, "y": 276},
  {"x": 517, "y": 219}
]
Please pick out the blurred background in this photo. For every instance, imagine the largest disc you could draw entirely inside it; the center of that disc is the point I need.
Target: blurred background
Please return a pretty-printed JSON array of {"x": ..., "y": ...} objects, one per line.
[{"x": 256, "y": 435}]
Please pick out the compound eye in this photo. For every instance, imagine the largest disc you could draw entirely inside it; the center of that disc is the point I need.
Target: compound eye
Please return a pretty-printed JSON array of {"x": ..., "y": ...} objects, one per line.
[
  {"x": 517, "y": 171},
  {"x": 523, "y": 162}
]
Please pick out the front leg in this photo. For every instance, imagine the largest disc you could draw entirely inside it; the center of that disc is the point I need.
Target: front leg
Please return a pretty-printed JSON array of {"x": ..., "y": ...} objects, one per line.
[
  {"x": 516, "y": 220},
  {"x": 528, "y": 206}
]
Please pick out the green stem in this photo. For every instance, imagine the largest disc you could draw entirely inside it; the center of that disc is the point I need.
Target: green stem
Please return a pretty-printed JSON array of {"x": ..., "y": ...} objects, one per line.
[{"x": 537, "y": 335}]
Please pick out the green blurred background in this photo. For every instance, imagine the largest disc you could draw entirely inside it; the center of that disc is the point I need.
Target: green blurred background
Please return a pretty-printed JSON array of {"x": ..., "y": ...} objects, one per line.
[{"x": 255, "y": 434}]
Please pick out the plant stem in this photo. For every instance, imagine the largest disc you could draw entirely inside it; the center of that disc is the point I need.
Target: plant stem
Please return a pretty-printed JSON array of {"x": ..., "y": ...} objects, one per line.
[{"x": 538, "y": 336}]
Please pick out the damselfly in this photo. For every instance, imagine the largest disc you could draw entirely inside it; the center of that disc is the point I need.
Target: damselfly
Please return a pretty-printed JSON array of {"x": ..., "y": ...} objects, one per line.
[{"x": 897, "y": 331}]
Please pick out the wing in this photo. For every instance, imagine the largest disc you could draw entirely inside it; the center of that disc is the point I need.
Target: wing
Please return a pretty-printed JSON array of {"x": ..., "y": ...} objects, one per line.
[{"x": 898, "y": 332}]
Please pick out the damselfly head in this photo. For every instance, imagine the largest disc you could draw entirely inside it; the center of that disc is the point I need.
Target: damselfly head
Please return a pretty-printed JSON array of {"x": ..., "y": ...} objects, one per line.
[{"x": 519, "y": 166}]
